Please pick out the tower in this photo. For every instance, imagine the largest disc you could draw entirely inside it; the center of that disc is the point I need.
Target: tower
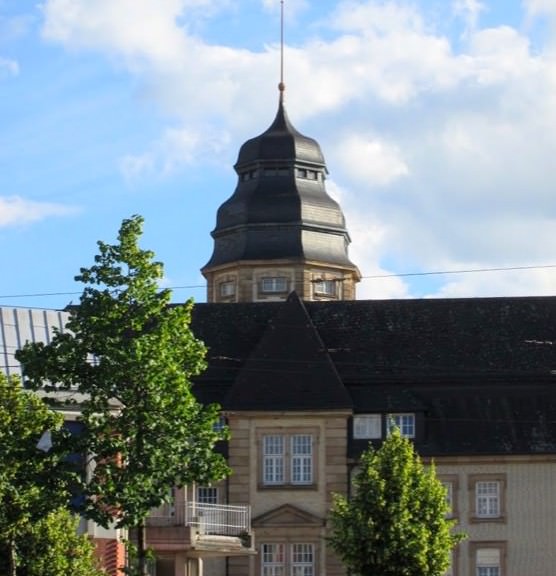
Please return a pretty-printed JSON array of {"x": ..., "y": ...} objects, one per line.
[{"x": 280, "y": 231}]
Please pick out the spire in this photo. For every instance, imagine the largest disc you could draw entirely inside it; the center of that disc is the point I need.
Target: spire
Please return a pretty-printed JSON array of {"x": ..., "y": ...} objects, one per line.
[{"x": 281, "y": 85}]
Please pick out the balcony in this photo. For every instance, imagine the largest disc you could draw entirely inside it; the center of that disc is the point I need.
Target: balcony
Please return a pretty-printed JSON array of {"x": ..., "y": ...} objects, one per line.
[{"x": 201, "y": 529}]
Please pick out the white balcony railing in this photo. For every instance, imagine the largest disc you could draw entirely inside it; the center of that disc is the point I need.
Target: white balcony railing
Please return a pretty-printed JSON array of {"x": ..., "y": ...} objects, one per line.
[{"x": 216, "y": 519}]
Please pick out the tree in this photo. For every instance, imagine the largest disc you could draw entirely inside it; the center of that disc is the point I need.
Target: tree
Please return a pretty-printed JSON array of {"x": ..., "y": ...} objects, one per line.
[
  {"x": 395, "y": 523},
  {"x": 33, "y": 482},
  {"x": 132, "y": 355},
  {"x": 52, "y": 547}
]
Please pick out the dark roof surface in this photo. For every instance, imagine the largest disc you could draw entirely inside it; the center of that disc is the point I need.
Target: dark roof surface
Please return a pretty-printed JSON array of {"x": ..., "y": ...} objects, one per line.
[
  {"x": 280, "y": 141},
  {"x": 482, "y": 369},
  {"x": 276, "y": 212},
  {"x": 288, "y": 367}
]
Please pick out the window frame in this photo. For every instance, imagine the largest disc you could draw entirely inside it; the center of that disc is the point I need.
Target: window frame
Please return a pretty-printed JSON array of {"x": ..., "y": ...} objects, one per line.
[
  {"x": 201, "y": 498},
  {"x": 287, "y": 466},
  {"x": 279, "y": 558},
  {"x": 475, "y": 549},
  {"x": 357, "y": 432},
  {"x": 402, "y": 427},
  {"x": 475, "y": 481},
  {"x": 271, "y": 284},
  {"x": 227, "y": 288},
  {"x": 326, "y": 287},
  {"x": 451, "y": 482}
]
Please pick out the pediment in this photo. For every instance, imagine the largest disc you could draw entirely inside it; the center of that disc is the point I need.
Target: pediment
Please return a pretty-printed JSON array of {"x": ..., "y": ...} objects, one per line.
[{"x": 287, "y": 515}]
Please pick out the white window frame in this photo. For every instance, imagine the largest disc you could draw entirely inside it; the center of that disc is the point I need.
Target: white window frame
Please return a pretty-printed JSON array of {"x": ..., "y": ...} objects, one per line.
[
  {"x": 328, "y": 287},
  {"x": 280, "y": 559},
  {"x": 404, "y": 421},
  {"x": 227, "y": 288},
  {"x": 302, "y": 559},
  {"x": 301, "y": 459},
  {"x": 367, "y": 426},
  {"x": 274, "y": 284},
  {"x": 487, "y": 498},
  {"x": 488, "y": 561},
  {"x": 274, "y": 457},
  {"x": 288, "y": 459},
  {"x": 273, "y": 559},
  {"x": 207, "y": 495}
]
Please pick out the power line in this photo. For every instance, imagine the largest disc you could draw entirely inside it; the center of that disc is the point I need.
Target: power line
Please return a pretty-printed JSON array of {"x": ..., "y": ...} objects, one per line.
[{"x": 367, "y": 277}]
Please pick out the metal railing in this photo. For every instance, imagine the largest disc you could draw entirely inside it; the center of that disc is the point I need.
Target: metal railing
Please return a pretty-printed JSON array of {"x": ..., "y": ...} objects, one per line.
[
  {"x": 218, "y": 519},
  {"x": 215, "y": 519}
]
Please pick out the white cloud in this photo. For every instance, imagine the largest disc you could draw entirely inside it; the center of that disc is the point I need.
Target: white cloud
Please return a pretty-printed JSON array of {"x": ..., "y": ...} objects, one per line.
[
  {"x": 15, "y": 211},
  {"x": 469, "y": 10},
  {"x": 536, "y": 7},
  {"x": 445, "y": 152},
  {"x": 368, "y": 159},
  {"x": 174, "y": 150}
]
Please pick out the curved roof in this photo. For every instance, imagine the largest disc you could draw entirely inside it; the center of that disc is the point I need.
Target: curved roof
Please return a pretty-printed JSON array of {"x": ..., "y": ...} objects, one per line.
[
  {"x": 281, "y": 141},
  {"x": 280, "y": 208}
]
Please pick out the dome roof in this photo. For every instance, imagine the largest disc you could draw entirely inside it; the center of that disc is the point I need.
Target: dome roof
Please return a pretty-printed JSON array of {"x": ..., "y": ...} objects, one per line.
[
  {"x": 281, "y": 141},
  {"x": 280, "y": 208}
]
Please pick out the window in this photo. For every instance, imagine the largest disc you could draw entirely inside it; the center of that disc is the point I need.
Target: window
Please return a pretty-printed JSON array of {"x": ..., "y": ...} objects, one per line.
[
  {"x": 274, "y": 284},
  {"x": 367, "y": 426},
  {"x": 273, "y": 460},
  {"x": 450, "y": 483},
  {"x": 287, "y": 459},
  {"x": 302, "y": 459},
  {"x": 488, "y": 558},
  {"x": 273, "y": 560},
  {"x": 405, "y": 423},
  {"x": 302, "y": 560},
  {"x": 287, "y": 560},
  {"x": 207, "y": 495},
  {"x": 219, "y": 424},
  {"x": 487, "y": 497},
  {"x": 227, "y": 288},
  {"x": 325, "y": 287}
]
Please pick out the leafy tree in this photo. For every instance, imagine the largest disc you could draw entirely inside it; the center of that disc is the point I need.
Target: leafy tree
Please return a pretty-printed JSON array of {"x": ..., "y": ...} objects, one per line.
[
  {"x": 33, "y": 482},
  {"x": 52, "y": 547},
  {"x": 395, "y": 523},
  {"x": 132, "y": 355}
]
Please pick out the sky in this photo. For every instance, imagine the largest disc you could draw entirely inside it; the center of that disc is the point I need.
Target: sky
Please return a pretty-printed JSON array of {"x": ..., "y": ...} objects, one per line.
[{"x": 437, "y": 120}]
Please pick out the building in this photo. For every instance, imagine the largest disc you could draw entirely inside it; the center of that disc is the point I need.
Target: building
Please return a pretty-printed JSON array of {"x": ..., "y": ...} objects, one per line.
[
  {"x": 307, "y": 376},
  {"x": 280, "y": 231},
  {"x": 306, "y": 385}
]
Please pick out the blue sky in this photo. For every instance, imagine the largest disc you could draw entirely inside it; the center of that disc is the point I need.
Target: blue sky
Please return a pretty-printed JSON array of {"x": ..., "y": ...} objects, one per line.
[{"x": 437, "y": 120}]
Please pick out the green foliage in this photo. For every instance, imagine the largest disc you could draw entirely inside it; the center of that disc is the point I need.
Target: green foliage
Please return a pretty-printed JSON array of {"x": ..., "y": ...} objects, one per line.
[
  {"x": 52, "y": 547},
  {"x": 33, "y": 482},
  {"x": 132, "y": 355},
  {"x": 395, "y": 523}
]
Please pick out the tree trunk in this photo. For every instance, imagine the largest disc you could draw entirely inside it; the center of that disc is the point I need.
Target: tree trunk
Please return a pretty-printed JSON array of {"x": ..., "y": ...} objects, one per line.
[
  {"x": 12, "y": 557},
  {"x": 141, "y": 549}
]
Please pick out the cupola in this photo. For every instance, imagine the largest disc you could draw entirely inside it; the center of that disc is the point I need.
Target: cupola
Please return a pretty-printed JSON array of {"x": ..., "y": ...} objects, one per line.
[{"x": 280, "y": 231}]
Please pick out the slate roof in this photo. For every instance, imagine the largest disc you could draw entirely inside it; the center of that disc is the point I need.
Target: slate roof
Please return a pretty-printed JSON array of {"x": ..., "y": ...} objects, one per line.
[
  {"x": 274, "y": 213},
  {"x": 288, "y": 367},
  {"x": 479, "y": 372}
]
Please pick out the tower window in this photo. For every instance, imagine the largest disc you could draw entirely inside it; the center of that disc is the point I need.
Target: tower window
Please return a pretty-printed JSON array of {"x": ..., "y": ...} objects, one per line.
[
  {"x": 227, "y": 288},
  {"x": 274, "y": 284},
  {"x": 325, "y": 287}
]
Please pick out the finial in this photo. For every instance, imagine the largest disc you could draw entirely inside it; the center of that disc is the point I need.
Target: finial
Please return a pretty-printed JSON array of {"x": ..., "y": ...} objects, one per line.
[{"x": 281, "y": 86}]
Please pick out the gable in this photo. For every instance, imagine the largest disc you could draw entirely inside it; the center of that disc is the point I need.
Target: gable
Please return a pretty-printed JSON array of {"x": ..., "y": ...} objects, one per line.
[{"x": 286, "y": 515}]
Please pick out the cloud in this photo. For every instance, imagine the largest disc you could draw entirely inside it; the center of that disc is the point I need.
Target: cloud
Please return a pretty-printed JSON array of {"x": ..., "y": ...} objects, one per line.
[
  {"x": 375, "y": 162},
  {"x": 16, "y": 211},
  {"x": 442, "y": 150},
  {"x": 539, "y": 7},
  {"x": 174, "y": 150}
]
